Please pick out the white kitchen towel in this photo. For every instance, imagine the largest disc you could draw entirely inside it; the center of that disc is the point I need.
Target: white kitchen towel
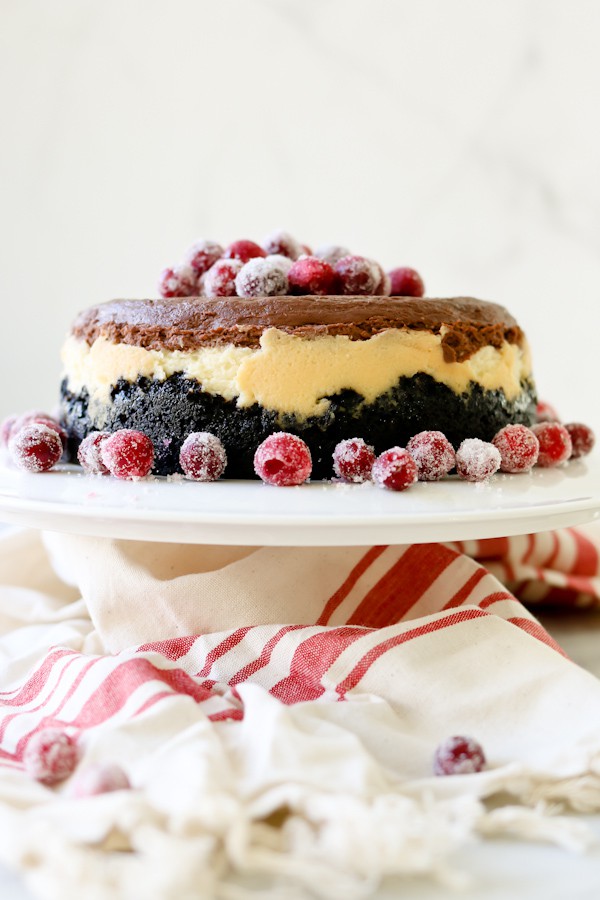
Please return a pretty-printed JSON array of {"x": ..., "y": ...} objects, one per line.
[{"x": 277, "y": 711}]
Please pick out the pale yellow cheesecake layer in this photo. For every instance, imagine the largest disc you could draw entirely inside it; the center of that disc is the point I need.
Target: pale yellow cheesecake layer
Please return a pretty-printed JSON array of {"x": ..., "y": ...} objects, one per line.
[{"x": 291, "y": 374}]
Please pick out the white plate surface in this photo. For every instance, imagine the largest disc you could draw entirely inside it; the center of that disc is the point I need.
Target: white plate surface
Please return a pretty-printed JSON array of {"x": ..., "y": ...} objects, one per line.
[{"x": 252, "y": 513}]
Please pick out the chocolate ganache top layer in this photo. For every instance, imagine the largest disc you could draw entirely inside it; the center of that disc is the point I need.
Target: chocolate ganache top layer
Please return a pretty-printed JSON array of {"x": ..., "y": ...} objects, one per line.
[{"x": 188, "y": 323}]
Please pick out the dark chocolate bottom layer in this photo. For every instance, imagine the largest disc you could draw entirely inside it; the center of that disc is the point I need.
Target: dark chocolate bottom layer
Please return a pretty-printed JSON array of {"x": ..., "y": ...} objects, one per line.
[{"x": 167, "y": 411}]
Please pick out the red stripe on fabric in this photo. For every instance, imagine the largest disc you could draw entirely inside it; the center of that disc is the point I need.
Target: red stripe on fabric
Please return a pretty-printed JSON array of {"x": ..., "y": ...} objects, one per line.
[
  {"x": 496, "y": 597},
  {"x": 312, "y": 658},
  {"x": 37, "y": 681},
  {"x": 551, "y": 558},
  {"x": 531, "y": 543},
  {"x": 587, "y": 561},
  {"x": 468, "y": 587},
  {"x": 361, "y": 668},
  {"x": 342, "y": 592},
  {"x": 173, "y": 648},
  {"x": 263, "y": 659},
  {"x": 492, "y": 548},
  {"x": 231, "y": 641},
  {"x": 535, "y": 630},
  {"x": 227, "y": 714},
  {"x": 402, "y": 585}
]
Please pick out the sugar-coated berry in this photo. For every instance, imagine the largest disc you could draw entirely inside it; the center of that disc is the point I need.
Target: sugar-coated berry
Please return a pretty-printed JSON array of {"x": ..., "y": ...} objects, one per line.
[
  {"x": 353, "y": 460},
  {"x": 406, "y": 282},
  {"x": 128, "y": 454},
  {"x": 545, "y": 412},
  {"x": 519, "y": 448},
  {"x": 476, "y": 460},
  {"x": 98, "y": 778},
  {"x": 28, "y": 418},
  {"x": 178, "y": 281},
  {"x": 51, "y": 423},
  {"x": 433, "y": 454},
  {"x": 357, "y": 275},
  {"x": 261, "y": 278},
  {"x": 89, "y": 453},
  {"x": 202, "y": 255},
  {"x": 243, "y": 250},
  {"x": 219, "y": 281},
  {"x": 284, "y": 262},
  {"x": 310, "y": 275},
  {"x": 6, "y": 429},
  {"x": 35, "y": 448},
  {"x": 555, "y": 444},
  {"x": 331, "y": 253},
  {"x": 582, "y": 439},
  {"x": 395, "y": 469},
  {"x": 458, "y": 755},
  {"x": 281, "y": 243},
  {"x": 283, "y": 459},
  {"x": 50, "y": 756},
  {"x": 384, "y": 283},
  {"x": 202, "y": 456}
]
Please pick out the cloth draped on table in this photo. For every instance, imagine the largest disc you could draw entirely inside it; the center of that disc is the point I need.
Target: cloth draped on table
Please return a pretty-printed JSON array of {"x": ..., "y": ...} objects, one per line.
[{"x": 277, "y": 710}]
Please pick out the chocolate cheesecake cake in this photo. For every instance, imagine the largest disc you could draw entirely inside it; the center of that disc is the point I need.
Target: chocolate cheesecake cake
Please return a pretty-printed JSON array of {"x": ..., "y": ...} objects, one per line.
[{"x": 325, "y": 368}]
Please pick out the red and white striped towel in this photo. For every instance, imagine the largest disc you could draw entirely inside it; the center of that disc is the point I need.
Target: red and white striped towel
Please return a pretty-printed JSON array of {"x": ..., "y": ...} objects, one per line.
[{"x": 277, "y": 709}]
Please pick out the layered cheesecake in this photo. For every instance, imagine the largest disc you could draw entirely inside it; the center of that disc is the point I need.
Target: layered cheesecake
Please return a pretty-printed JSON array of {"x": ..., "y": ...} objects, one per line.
[{"x": 325, "y": 368}]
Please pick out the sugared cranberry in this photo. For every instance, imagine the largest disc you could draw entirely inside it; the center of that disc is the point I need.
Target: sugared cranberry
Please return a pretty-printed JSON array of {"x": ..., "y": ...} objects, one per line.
[
  {"x": 433, "y": 454},
  {"x": 89, "y": 453},
  {"x": 582, "y": 439},
  {"x": 31, "y": 417},
  {"x": 128, "y": 454},
  {"x": 179, "y": 281},
  {"x": 51, "y": 423},
  {"x": 357, "y": 275},
  {"x": 310, "y": 275},
  {"x": 99, "y": 778},
  {"x": 219, "y": 281},
  {"x": 331, "y": 253},
  {"x": 395, "y": 469},
  {"x": 283, "y": 459},
  {"x": 476, "y": 460},
  {"x": 281, "y": 243},
  {"x": 384, "y": 282},
  {"x": 36, "y": 448},
  {"x": 406, "y": 282},
  {"x": 261, "y": 278},
  {"x": 202, "y": 255},
  {"x": 243, "y": 250},
  {"x": 50, "y": 756},
  {"x": 545, "y": 412},
  {"x": 519, "y": 448},
  {"x": 202, "y": 456},
  {"x": 353, "y": 460},
  {"x": 6, "y": 429},
  {"x": 284, "y": 262},
  {"x": 555, "y": 444},
  {"x": 458, "y": 755}
]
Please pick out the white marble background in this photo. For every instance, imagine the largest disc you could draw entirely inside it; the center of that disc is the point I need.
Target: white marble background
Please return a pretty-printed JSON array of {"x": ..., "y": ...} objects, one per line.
[{"x": 458, "y": 136}]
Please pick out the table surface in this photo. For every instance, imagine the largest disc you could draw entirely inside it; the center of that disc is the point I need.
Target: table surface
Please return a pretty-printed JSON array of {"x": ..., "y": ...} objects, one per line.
[{"x": 502, "y": 869}]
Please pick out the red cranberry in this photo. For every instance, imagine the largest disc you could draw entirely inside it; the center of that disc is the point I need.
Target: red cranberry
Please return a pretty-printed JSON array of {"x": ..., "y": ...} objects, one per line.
[
  {"x": 179, "y": 281},
  {"x": 219, "y": 281},
  {"x": 202, "y": 456},
  {"x": 582, "y": 439},
  {"x": 357, "y": 275},
  {"x": 519, "y": 448},
  {"x": 310, "y": 275},
  {"x": 89, "y": 453},
  {"x": 6, "y": 429},
  {"x": 331, "y": 253},
  {"x": 458, "y": 756},
  {"x": 555, "y": 444},
  {"x": 406, "y": 283},
  {"x": 433, "y": 454},
  {"x": 283, "y": 459},
  {"x": 261, "y": 278},
  {"x": 128, "y": 454},
  {"x": 281, "y": 243},
  {"x": 243, "y": 250},
  {"x": 99, "y": 778},
  {"x": 476, "y": 460},
  {"x": 36, "y": 448},
  {"x": 353, "y": 460},
  {"x": 51, "y": 423},
  {"x": 33, "y": 416},
  {"x": 50, "y": 756},
  {"x": 202, "y": 255},
  {"x": 395, "y": 469},
  {"x": 545, "y": 412}
]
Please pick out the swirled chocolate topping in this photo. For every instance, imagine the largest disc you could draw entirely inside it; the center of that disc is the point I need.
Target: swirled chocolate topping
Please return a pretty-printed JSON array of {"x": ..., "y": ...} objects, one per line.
[{"x": 186, "y": 324}]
